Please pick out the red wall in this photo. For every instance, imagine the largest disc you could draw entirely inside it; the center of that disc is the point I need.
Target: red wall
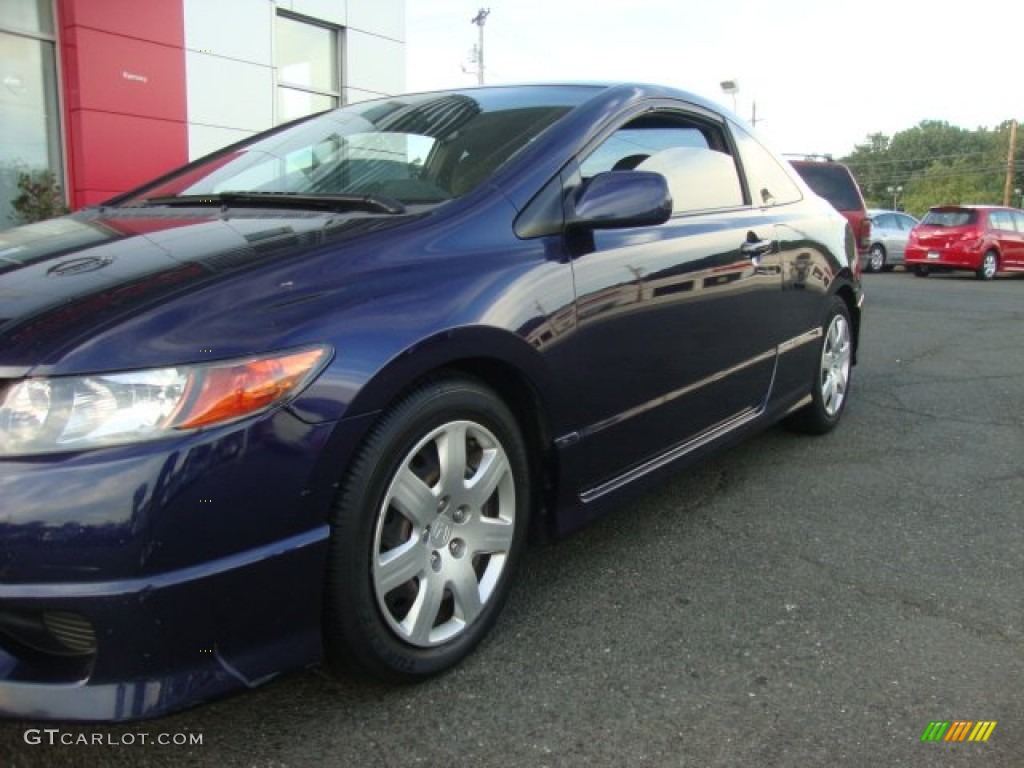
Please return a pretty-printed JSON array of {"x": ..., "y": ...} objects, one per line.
[{"x": 123, "y": 65}]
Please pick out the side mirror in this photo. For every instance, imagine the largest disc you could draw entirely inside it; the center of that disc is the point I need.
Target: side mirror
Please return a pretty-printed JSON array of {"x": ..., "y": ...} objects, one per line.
[{"x": 619, "y": 200}]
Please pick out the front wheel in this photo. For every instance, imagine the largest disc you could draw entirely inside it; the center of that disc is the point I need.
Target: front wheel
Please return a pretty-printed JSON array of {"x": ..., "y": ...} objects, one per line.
[
  {"x": 426, "y": 532},
  {"x": 830, "y": 383},
  {"x": 989, "y": 266}
]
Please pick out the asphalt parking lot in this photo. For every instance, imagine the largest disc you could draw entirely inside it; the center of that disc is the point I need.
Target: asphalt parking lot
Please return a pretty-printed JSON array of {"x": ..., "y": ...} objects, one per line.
[{"x": 792, "y": 602}]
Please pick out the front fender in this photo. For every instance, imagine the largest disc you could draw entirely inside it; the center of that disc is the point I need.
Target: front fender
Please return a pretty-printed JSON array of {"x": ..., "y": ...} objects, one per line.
[{"x": 461, "y": 347}]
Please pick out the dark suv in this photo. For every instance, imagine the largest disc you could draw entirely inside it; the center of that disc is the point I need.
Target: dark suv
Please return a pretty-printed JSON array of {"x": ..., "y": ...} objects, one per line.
[{"x": 834, "y": 182}]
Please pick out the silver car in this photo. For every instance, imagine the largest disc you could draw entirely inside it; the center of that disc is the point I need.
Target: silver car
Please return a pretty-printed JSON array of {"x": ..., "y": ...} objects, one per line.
[{"x": 889, "y": 233}]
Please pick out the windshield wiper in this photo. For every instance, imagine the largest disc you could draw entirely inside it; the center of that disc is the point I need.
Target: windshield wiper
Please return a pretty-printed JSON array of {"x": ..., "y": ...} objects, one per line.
[{"x": 371, "y": 203}]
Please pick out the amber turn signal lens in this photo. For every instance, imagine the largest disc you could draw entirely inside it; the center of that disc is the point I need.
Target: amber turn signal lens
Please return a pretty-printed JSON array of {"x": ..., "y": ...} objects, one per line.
[{"x": 236, "y": 390}]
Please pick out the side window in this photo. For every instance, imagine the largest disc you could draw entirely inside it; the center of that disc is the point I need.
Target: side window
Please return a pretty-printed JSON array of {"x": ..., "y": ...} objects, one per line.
[
  {"x": 691, "y": 154},
  {"x": 907, "y": 223},
  {"x": 1000, "y": 220},
  {"x": 1018, "y": 219},
  {"x": 631, "y": 145},
  {"x": 770, "y": 183},
  {"x": 886, "y": 221}
]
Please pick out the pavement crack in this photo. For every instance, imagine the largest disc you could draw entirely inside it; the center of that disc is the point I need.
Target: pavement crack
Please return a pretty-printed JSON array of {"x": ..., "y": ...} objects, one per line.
[
  {"x": 905, "y": 409},
  {"x": 925, "y": 607}
]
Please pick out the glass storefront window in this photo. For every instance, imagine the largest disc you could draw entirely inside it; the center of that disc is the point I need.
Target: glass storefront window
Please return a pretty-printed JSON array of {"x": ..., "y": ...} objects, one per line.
[
  {"x": 308, "y": 71},
  {"x": 293, "y": 103},
  {"x": 27, "y": 16},
  {"x": 28, "y": 97}
]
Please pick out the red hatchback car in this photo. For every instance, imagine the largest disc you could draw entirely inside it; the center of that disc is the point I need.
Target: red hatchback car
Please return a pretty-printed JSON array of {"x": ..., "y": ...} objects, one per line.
[{"x": 985, "y": 239}]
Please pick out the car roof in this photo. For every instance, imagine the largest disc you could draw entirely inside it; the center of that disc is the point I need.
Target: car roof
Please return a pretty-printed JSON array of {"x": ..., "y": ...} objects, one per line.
[
  {"x": 814, "y": 160},
  {"x": 971, "y": 207},
  {"x": 639, "y": 90}
]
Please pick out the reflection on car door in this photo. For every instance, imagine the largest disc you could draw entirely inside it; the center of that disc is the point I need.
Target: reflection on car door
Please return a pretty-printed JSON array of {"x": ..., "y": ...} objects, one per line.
[{"x": 675, "y": 338}]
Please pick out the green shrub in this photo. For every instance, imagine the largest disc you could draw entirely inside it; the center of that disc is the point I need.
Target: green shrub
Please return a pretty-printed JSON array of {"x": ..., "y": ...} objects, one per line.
[{"x": 41, "y": 197}]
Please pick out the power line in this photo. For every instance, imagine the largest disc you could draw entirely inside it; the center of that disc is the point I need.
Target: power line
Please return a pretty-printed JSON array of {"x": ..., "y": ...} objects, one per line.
[
  {"x": 925, "y": 175},
  {"x": 858, "y": 163}
]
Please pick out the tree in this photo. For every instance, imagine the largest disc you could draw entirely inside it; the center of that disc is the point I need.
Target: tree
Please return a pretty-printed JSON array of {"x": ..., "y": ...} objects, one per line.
[{"x": 935, "y": 163}]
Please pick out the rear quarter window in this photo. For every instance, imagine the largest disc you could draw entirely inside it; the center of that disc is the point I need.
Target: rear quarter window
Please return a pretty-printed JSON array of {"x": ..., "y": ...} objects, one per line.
[
  {"x": 906, "y": 223},
  {"x": 1002, "y": 220},
  {"x": 770, "y": 183}
]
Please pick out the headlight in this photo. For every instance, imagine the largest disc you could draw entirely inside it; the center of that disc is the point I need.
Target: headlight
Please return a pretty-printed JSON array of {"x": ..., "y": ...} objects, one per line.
[{"x": 72, "y": 413}]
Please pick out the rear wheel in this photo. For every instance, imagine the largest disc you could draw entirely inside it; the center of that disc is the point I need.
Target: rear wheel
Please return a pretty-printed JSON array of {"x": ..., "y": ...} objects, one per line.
[
  {"x": 876, "y": 258},
  {"x": 989, "y": 266},
  {"x": 830, "y": 383},
  {"x": 920, "y": 270},
  {"x": 426, "y": 533}
]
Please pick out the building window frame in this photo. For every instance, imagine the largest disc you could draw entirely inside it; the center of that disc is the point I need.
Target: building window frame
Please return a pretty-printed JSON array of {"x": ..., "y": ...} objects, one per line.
[
  {"x": 337, "y": 70},
  {"x": 59, "y": 125}
]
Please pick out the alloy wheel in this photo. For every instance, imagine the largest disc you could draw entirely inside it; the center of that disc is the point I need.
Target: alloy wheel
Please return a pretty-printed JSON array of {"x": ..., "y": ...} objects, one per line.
[
  {"x": 835, "y": 365},
  {"x": 444, "y": 532},
  {"x": 876, "y": 259},
  {"x": 989, "y": 265}
]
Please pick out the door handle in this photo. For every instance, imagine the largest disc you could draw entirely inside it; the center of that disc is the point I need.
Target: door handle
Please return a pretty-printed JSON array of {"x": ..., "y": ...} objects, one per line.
[{"x": 753, "y": 248}]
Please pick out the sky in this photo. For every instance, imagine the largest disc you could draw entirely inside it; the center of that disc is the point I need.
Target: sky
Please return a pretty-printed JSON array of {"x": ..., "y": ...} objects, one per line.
[{"x": 824, "y": 73}]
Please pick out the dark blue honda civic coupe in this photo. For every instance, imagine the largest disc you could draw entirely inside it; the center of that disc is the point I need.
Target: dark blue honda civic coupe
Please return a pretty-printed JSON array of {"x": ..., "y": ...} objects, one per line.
[{"x": 302, "y": 400}]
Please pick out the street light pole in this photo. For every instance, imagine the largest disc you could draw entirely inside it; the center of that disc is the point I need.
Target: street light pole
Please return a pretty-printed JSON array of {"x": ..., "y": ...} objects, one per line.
[
  {"x": 1009, "y": 162},
  {"x": 895, "y": 192},
  {"x": 480, "y": 19},
  {"x": 731, "y": 87}
]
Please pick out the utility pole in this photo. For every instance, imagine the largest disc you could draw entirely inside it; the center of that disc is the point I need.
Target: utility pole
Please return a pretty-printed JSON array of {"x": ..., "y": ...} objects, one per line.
[
  {"x": 479, "y": 20},
  {"x": 1009, "y": 162}
]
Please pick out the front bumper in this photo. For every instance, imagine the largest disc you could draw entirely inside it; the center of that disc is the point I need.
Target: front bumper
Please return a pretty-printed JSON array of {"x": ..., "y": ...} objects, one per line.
[
  {"x": 144, "y": 579},
  {"x": 166, "y": 642}
]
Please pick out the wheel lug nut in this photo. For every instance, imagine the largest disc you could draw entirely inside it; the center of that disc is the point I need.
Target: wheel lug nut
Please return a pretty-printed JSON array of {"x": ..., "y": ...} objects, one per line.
[
  {"x": 442, "y": 505},
  {"x": 435, "y": 561},
  {"x": 457, "y": 547},
  {"x": 460, "y": 515}
]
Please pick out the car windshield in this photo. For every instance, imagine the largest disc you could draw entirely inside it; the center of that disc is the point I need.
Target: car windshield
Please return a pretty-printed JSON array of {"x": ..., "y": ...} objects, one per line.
[
  {"x": 949, "y": 218},
  {"x": 832, "y": 182},
  {"x": 418, "y": 149}
]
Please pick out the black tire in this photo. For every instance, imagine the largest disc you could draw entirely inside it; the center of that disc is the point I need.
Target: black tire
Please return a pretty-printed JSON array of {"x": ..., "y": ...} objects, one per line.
[
  {"x": 921, "y": 270},
  {"x": 888, "y": 268},
  {"x": 989, "y": 266},
  {"x": 830, "y": 381},
  {"x": 406, "y": 522},
  {"x": 876, "y": 258}
]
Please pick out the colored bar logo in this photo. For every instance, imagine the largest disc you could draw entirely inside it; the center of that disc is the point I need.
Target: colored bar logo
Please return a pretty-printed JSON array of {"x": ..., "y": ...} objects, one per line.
[{"x": 958, "y": 730}]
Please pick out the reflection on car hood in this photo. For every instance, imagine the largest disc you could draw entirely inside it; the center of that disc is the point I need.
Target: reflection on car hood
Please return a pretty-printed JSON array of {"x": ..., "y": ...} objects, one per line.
[{"x": 61, "y": 278}]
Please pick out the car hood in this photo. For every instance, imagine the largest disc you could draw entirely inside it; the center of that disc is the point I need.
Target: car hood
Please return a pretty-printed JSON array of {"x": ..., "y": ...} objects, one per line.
[{"x": 63, "y": 279}]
